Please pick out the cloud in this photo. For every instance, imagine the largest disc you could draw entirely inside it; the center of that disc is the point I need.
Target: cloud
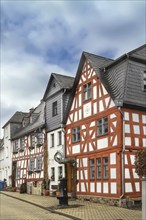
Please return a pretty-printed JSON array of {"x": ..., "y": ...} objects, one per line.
[{"x": 40, "y": 37}]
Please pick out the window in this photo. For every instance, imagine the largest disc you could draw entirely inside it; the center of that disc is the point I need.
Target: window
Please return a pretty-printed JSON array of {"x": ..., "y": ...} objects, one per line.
[
  {"x": 102, "y": 126},
  {"x": 31, "y": 165},
  {"x": 87, "y": 91},
  {"x": 52, "y": 140},
  {"x": 59, "y": 172},
  {"x": 59, "y": 138},
  {"x": 21, "y": 144},
  {"x": 38, "y": 163},
  {"x": 40, "y": 140},
  {"x": 53, "y": 173},
  {"x": 18, "y": 173},
  {"x": 54, "y": 109},
  {"x": 32, "y": 141},
  {"x": 105, "y": 167},
  {"x": 98, "y": 163},
  {"x": 144, "y": 80},
  {"x": 75, "y": 134},
  {"x": 15, "y": 150},
  {"x": 92, "y": 170}
]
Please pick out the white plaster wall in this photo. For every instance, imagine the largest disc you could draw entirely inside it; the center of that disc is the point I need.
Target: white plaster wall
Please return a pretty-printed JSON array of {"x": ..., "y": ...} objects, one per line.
[
  {"x": 144, "y": 142},
  {"x": 6, "y": 163},
  {"x": 136, "y": 142},
  {"x": 127, "y": 173},
  {"x": 105, "y": 187},
  {"x": 128, "y": 141},
  {"x": 102, "y": 143},
  {"x": 85, "y": 162},
  {"x": 132, "y": 158},
  {"x": 113, "y": 188},
  {"x": 87, "y": 110},
  {"x": 137, "y": 186},
  {"x": 135, "y": 174},
  {"x": 136, "y": 129},
  {"x": 127, "y": 128},
  {"x": 51, "y": 153},
  {"x": 144, "y": 130},
  {"x": 94, "y": 92},
  {"x": 92, "y": 187},
  {"x": 113, "y": 158},
  {"x": 76, "y": 149},
  {"x": 83, "y": 187},
  {"x": 126, "y": 116},
  {"x": 135, "y": 117},
  {"x": 113, "y": 173},
  {"x": 101, "y": 108},
  {"x": 144, "y": 119},
  {"x": 128, "y": 187},
  {"x": 98, "y": 187}
]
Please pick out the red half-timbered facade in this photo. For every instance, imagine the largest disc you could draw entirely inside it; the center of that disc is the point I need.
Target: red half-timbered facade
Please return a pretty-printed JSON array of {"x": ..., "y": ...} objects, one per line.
[
  {"x": 103, "y": 130},
  {"x": 29, "y": 152}
]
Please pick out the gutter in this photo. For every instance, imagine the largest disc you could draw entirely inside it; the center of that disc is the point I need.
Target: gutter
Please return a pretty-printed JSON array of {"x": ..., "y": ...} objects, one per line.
[{"x": 123, "y": 157}]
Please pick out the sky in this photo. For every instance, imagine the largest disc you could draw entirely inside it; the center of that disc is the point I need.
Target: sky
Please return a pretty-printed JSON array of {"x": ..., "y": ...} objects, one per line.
[{"x": 40, "y": 37}]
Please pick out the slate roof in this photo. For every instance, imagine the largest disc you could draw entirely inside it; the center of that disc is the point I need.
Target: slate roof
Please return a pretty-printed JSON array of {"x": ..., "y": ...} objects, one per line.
[
  {"x": 122, "y": 78},
  {"x": 17, "y": 118},
  {"x": 65, "y": 82},
  {"x": 38, "y": 121}
]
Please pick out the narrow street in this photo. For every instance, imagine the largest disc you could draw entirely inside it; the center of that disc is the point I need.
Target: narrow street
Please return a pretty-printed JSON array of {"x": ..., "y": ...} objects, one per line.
[
  {"x": 16, "y": 206},
  {"x": 13, "y": 209}
]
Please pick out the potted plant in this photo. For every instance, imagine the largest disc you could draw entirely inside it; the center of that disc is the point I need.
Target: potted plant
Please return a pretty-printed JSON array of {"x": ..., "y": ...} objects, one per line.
[{"x": 45, "y": 188}]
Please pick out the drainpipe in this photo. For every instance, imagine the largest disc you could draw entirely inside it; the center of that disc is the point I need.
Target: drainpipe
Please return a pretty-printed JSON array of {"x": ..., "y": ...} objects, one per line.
[
  {"x": 123, "y": 157},
  {"x": 62, "y": 128}
]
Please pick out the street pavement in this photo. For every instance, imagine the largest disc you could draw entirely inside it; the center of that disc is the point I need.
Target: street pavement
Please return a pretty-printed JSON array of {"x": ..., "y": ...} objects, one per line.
[
  {"x": 77, "y": 209},
  {"x": 14, "y": 209}
]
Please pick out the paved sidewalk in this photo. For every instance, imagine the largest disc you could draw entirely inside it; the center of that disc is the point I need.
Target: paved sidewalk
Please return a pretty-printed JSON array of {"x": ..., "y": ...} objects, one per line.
[{"x": 78, "y": 209}]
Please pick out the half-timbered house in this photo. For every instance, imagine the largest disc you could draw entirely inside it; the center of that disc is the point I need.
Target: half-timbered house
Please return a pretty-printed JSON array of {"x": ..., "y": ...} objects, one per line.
[
  {"x": 28, "y": 145},
  {"x": 56, "y": 97},
  {"x": 9, "y": 129},
  {"x": 106, "y": 125}
]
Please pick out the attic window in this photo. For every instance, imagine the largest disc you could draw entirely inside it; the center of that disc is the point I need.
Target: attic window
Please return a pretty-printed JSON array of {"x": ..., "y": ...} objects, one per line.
[
  {"x": 144, "y": 80},
  {"x": 54, "y": 84}
]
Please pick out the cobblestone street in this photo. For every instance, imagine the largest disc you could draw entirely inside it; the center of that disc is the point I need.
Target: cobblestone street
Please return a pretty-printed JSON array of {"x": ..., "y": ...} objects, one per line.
[{"x": 47, "y": 208}]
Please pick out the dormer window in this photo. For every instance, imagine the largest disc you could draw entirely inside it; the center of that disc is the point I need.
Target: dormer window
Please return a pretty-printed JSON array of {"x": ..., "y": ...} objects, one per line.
[{"x": 144, "y": 80}]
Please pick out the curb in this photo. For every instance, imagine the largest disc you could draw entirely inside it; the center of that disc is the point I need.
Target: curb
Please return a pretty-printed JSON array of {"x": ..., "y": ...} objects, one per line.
[{"x": 42, "y": 207}]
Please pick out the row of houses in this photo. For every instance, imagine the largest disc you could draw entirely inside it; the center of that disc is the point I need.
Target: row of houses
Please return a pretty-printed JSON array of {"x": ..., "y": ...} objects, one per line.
[{"x": 86, "y": 129}]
